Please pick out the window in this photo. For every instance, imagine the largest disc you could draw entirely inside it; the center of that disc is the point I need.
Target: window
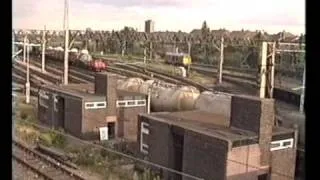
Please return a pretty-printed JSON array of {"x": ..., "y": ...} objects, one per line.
[
  {"x": 143, "y": 135},
  {"x": 121, "y": 104},
  {"x": 142, "y": 102},
  {"x": 131, "y": 103},
  {"x": 101, "y": 104},
  {"x": 281, "y": 144},
  {"x": 89, "y": 105},
  {"x": 95, "y": 105}
]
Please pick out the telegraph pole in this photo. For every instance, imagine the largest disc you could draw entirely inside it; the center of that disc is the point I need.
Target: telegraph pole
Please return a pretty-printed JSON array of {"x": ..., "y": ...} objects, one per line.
[
  {"x": 189, "y": 53},
  {"x": 150, "y": 51},
  {"x": 189, "y": 48},
  {"x": 145, "y": 55},
  {"x": 66, "y": 42},
  {"x": 28, "y": 78},
  {"x": 43, "y": 49},
  {"x": 24, "y": 48},
  {"x": 221, "y": 60},
  {"x": 263, "y": 70}
]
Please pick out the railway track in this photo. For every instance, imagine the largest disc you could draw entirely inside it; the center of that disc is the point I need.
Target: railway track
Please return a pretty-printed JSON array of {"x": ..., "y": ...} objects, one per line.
[
  {"x": 238, "y": 76},
  {"x": 41, "y": 164},
  {"x": 122, "y": 69},
  {"x": 82, "y": 75},
  {"x": 150, "y": 73},
  {"x": 184, "y": 81}
]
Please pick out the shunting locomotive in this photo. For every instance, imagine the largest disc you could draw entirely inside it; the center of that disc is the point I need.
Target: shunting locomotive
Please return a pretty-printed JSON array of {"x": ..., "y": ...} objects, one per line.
[{"x": 178, "y": 59}]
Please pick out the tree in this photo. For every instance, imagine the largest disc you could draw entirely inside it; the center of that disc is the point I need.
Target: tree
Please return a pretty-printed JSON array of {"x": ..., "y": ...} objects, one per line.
[{"x": 205, "y": 32}]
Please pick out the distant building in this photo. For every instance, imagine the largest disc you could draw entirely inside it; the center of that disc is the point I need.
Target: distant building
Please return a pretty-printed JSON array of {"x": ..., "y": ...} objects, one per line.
[{"x": 149, "y": 26}]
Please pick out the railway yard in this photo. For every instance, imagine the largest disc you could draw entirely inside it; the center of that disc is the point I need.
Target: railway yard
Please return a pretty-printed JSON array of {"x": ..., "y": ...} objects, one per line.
[{"x": 152, "y": 109}]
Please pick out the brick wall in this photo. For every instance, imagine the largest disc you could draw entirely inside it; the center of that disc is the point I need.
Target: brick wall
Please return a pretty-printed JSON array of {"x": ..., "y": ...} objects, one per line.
[
  {"x": 257, "y": 115},
  {"x": 283, "y": 164},
  {"x": 92, "y": 120},
  {"x": 244, "y": 163},
  {"x": 128, "y": 121},
  {"x": 106, "y": 84},
  {"x": 100, "y": 84},
  {"x": 111, "y": 94},
  {"x": 204, "y": 156},
  {"x": 266, "y": 124}
]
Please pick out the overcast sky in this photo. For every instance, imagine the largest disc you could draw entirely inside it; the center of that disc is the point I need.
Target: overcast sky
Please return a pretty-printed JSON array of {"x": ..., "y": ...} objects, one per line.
[{"x": 173, "y": 15}]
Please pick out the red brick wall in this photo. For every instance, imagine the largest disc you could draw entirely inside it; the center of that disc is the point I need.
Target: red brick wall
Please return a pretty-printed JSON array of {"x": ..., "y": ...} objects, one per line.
[
  {"x": 128, "y": 121},
  {"x": 92, "y": 120},
  {"x": 257, "y": 115},
  {"x": 283, "y": 164},
  {"x": 244, "y": 163}
]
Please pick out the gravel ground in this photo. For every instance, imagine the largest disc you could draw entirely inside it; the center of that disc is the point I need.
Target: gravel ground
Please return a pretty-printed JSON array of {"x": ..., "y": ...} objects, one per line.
[{"x": 20, "y": 172}]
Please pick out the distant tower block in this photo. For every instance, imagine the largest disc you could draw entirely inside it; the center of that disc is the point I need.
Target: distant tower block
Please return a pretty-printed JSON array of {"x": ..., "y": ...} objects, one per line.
[{"x": 149, "y": 26}]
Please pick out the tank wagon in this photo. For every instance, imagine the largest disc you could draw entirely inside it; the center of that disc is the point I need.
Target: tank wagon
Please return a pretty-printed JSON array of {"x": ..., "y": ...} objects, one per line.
[{"x": 81, "y": 59}]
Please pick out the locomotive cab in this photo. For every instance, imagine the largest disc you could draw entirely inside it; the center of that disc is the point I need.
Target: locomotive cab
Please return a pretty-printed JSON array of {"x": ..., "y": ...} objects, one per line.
[{"x": 178, "y": 59}]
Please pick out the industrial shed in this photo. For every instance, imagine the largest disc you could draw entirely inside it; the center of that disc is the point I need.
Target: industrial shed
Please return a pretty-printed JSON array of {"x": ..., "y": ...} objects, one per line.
[
  {"x": 81, "y": 110},
  {"x": 245, "y": 146}
]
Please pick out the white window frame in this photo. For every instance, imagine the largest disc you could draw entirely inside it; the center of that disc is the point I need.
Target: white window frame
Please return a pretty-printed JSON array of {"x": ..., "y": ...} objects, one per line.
[
  {"x": 135, "y": 103},
  {"x": 95, "y": 105},
  {"x": 144, "y": 131},
  {"x": 281, "y": 145}
]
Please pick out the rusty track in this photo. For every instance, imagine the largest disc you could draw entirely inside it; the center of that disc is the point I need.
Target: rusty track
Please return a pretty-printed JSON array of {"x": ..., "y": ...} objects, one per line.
[{"x": 40, "y": 164}]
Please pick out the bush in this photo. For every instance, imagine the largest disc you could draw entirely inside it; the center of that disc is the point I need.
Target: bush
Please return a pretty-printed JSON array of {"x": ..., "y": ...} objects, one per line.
[
  {"x": 53, "y": 139},
  {"x": 23, "y": 115}
]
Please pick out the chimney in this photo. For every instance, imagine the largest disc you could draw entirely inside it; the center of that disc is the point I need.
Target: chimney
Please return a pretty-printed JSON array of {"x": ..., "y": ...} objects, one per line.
[
  {"x": 256, "y": 115},
  {"x": 100, "y": 84},
  {"x": 106, "y": 85}
]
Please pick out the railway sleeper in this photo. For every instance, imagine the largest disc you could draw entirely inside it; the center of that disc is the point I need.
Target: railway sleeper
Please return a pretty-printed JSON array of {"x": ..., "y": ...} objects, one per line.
[
  {"x": 30, "y": 166},
  {"x": 49, "y": 76},
  {"x": 73, "y": 78}
]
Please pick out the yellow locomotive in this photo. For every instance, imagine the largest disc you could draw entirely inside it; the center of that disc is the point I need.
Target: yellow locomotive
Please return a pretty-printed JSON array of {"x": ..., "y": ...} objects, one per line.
[{"x": 178, "y": 59}]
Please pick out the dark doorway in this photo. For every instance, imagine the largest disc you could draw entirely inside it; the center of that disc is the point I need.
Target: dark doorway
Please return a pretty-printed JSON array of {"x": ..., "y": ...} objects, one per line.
[
  {"x": 59, "y": 111},
  {"x": 178, "y": 141},
  {"x": 263, "y": 177},
  {"x": 111, "y": 130}
]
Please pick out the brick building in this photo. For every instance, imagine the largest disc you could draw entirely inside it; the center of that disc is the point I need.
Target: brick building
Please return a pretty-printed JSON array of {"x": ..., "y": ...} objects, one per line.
[
  {"x": 149, "y": 26},
  {"x": 82, "y": 109},
  {"x": 244, "y": 146}
]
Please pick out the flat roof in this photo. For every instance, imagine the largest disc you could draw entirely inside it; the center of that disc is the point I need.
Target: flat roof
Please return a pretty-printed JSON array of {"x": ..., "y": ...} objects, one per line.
[
  {"x": 210, "y": 124},
  {"x": 213, "y": 125},
  {"x": 84, "y": 91}
]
